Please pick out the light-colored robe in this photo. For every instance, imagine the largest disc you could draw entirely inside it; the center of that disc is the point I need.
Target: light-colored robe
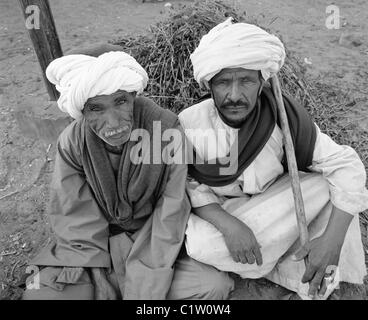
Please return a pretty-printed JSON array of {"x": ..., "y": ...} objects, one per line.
[{"x": 339, "y": 179}]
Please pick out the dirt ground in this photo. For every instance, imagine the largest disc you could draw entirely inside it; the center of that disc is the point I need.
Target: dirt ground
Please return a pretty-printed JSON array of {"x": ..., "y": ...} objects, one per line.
[{"x": 338, "y": 57}]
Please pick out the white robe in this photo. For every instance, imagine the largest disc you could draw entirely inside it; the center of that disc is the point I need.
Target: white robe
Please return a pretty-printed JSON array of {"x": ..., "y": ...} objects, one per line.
[{"x": 339, "y": 179}]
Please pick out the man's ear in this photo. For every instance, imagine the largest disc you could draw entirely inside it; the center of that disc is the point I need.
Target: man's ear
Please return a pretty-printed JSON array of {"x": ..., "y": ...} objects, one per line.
[{"x": 262, "y": 83}]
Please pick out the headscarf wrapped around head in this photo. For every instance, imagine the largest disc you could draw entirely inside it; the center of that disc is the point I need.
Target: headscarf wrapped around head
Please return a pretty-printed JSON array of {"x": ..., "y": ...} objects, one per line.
[
  {"x": 236, "y": 45},
  {"x": 79, "y": 77}
]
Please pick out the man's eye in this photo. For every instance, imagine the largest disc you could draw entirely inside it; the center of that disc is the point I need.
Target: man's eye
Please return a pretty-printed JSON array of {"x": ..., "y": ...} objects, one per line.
[
  {"x": 94, "y": 108},
  {"x": 221, "y": 82},
  {"x": 121, "y": 101},
  {"x": 245, "y": 81},
  {"x": 249, "y": 81}
]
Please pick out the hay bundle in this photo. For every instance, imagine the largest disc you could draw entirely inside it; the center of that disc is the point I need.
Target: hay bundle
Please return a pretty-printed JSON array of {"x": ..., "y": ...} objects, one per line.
[{"x": 165, "y": 52}]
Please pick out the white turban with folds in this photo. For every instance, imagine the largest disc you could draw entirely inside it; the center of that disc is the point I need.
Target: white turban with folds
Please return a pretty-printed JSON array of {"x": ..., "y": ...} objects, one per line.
[
  {"x": 236, "y": 45},
  {"x": 79, "y": 77}
]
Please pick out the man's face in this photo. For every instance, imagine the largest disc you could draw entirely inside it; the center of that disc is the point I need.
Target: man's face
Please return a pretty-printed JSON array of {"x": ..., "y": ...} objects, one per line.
[
  {"x": 111, "y": 116},
  {"x": 235, "y": 92}
]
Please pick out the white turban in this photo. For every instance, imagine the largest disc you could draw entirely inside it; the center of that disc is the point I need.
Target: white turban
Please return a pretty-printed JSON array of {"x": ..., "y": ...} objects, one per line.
[
  {"x": 236, "y": 45},
  {"x": 79, "y": 77}
]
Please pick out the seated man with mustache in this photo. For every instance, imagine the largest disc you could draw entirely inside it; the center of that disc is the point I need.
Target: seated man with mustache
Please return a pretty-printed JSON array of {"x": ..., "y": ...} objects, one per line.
[
  {"x": 243, "y": 217},
  {"x": 119, "y": 222}
]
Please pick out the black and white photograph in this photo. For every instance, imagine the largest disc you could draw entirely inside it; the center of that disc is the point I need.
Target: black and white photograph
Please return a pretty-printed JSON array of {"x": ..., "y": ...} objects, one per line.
[{"x": 194, "y": 151}]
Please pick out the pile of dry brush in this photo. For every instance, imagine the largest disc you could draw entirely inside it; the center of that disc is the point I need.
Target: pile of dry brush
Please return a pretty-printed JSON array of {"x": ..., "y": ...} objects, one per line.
[{"x": 165, "y": 54}]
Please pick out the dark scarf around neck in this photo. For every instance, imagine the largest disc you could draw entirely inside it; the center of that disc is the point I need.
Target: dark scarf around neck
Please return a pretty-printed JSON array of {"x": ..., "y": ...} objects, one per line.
[
  {"x": 253, "y": 136},
  {"x": 129, "y": 199}
]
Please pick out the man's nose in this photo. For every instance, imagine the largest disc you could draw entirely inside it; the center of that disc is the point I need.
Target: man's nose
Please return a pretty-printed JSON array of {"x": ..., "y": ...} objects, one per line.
[
  {"x": 235, "y": 93},
  {"x": 113, "y": 119}
]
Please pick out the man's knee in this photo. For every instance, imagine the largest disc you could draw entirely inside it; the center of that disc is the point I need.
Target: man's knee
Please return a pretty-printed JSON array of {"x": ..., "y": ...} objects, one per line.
[
  {"x": 43, "y": 285},
  {"x": 196, "y": 280},
  {"x": 219, "y": 285}
]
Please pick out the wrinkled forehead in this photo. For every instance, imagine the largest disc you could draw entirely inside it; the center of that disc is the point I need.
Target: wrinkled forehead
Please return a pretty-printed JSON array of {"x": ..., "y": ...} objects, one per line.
[
  {"x": 108, "y": 97},
  {"x": 237, "y": 72}
]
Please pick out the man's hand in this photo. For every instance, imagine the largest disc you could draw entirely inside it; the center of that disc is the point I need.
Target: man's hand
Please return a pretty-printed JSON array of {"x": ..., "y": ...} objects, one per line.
[
  {"x": 239, "y": 238},
  {"x": 103, "y": 289},
  {"x": 241, "y": 242},
  {"x": 324, "y": 252}
]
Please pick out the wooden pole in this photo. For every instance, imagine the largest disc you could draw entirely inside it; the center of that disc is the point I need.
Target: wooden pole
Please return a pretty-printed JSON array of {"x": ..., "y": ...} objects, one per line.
[
  {"x": 43, "y": 36},
  {"x": 292, "y": 166}
]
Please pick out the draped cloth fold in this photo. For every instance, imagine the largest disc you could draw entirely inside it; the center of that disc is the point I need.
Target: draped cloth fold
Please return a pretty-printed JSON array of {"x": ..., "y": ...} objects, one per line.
[
  {"x": 128, "y": 203},
  {"x": 148, "y": 226},
  {"x": 129, "y": 199},
  {"x": 252, "y": 137}
]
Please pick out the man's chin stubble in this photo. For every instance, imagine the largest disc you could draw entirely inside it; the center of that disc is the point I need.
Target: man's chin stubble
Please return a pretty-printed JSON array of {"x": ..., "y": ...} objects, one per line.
[{"x": 235, "y": 122}]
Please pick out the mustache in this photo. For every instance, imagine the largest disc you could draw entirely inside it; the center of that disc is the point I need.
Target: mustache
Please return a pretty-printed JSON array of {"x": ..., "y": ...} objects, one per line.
[
  {"x": 103, "y": 126},
  {"x": 241, "y": 104}
]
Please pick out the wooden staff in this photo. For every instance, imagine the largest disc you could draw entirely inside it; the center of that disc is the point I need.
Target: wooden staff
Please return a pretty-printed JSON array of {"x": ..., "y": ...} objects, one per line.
[
  {"x": 44, "y": 39},
  {"x": 292, "y": 166}
]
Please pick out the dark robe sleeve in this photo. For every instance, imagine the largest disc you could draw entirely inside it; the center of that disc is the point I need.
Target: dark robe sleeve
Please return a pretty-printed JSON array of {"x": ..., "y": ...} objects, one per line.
[
  {"x": 150, "y": 265},
  {"x": 80, "y": 228}
]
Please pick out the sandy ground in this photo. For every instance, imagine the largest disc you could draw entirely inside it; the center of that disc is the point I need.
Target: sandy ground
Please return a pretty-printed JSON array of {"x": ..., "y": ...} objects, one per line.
[{"x": 338, "y": 57}]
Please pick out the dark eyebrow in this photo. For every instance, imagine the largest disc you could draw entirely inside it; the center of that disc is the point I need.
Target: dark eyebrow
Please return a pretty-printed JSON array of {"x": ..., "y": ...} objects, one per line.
[
  {"x": 221, "y": 78},
  {"x": 248, "y": 78},
  {"x": 119, "y": 93},
  {"x": 89, "y": 103},
  {"x": 120, "y": 97}
]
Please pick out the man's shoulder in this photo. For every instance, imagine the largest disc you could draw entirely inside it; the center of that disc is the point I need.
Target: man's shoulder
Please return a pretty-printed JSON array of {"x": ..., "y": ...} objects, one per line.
[
  {"x": 151, "y": 111},
  {"x": 71, "y": 136},
  {"x": 196, "y": 115},
  {"x": 144, "y": 102}
]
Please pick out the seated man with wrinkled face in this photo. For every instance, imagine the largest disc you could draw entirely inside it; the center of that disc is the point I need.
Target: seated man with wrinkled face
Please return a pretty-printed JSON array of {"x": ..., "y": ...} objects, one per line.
[{"x": 119, "y": 222}]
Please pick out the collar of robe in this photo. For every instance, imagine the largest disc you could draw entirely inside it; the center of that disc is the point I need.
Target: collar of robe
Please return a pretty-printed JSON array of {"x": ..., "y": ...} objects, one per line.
[{"x": 253, "y": 136}]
